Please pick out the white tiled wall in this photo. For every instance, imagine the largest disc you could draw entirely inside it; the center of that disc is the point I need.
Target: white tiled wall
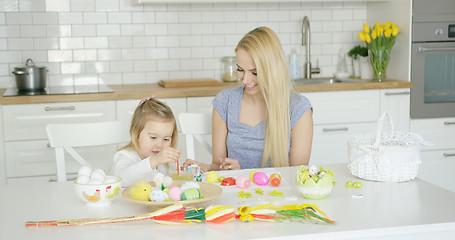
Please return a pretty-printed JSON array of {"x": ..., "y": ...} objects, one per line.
[{"x": 121, "y": 42}]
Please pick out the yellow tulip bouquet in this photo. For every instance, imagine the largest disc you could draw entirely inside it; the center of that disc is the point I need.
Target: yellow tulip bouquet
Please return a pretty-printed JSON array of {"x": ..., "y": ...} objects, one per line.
[{"x": 379, "y": 41}]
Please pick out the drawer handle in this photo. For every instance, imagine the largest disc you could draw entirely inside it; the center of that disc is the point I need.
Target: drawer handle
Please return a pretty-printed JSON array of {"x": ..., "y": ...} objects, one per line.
[
  {"x": 397, "y": 93},
  {"x": 59, "y": 108},
  {"x": 449, "y": 123},
  {"x": 335, "y": 129},
  {"x": 448, "y": 154}
]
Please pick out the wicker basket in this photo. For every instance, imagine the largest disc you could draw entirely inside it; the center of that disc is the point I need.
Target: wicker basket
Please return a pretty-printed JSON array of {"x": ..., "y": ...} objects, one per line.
[{"x": 388, "y": 156}]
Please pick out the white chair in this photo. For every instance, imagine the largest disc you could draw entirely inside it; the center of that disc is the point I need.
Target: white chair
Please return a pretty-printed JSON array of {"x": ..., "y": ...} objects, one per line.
[
  {"x": 195, "y": 126},
  {"x": 63, "y": 137}
]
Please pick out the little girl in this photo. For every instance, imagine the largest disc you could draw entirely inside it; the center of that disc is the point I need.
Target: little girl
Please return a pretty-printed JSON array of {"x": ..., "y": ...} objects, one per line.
[{"x": 153, "y": 134}]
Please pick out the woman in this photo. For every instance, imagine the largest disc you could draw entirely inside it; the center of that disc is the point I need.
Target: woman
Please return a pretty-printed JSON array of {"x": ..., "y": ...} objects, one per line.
[{"x": 263, "y": 123}]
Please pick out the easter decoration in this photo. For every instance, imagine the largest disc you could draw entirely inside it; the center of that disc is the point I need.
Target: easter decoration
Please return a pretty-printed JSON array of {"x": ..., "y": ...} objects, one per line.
[
  {"x": 243, "y": 182},
  {"x": 229, "y": 181},
  {"x": 96, "y": 188},
  {"x": 178, "y": 214},
  {"x": 355, "y": 188},
  {"x": 141, "y": 191},
  {"x": 170, "y": 192},
  {"x": 314, "y": 182},
  {"x": 212, "y": 177},
  {"x": 260, "y": 178},
  {"x": 275, "y": 179}
]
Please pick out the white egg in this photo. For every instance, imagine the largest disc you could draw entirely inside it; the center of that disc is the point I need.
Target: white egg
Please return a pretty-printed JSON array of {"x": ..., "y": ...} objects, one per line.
[
  {"x": 158, "y": 179},
  {"x": 167, "y": 181},
  {"x": 94, "y": 182},
  {"x": 158, "y": 196},
  {"x": 187, "y": 185},
  {"x": 84, "y": 171},
  {"x": 101, "y": 171},
  {"x": 97, "y": 175},
  {"x": 82, "y": 179},
  {"x": 313, "y": 170}
]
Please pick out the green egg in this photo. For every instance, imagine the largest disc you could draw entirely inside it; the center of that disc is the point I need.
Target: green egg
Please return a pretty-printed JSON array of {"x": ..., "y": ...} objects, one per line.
[{"x": 191, "y": 194}]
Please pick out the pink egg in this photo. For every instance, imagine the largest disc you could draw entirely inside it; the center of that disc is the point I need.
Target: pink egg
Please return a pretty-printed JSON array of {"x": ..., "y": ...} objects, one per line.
[
  {"x": 260, "y": 178},
  {"x": 243, "y": 182},
  {"x": 175, "y": 193}
]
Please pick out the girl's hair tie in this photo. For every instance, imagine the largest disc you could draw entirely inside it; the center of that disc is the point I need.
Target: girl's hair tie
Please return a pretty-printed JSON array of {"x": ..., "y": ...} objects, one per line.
[{"x": 146, "y": 99}]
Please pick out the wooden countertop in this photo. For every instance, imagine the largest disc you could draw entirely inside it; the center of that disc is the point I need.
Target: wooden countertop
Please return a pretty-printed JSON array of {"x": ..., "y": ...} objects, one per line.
[{"x": 138, "y": 91}]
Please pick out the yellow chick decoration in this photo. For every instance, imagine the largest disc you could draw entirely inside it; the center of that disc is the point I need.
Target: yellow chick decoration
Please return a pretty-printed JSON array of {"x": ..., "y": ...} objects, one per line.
[
  {"x": 141, "y": 191},
  {"x": 95, "y": 197}
]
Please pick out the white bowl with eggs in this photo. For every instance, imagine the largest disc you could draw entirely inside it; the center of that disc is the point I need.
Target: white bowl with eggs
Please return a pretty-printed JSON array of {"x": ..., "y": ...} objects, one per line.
[{"x": 95, "y": 188}]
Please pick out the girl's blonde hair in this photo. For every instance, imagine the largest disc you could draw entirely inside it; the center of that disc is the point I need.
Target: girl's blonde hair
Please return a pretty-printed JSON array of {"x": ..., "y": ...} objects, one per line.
[
  {"x": 272, "y": 72},
  {"x": 150, "y": 109}
]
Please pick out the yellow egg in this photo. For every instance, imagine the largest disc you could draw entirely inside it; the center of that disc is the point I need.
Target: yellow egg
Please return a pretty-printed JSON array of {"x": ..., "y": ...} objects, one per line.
[
  {"x": 212, "y": 177},
  {"x": 251, "y": 175}
]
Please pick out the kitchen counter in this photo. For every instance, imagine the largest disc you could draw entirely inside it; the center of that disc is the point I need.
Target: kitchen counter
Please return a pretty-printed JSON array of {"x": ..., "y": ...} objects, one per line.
[
  {"x": 411, "y": 210},
  {"x": 122, "y": 92}
]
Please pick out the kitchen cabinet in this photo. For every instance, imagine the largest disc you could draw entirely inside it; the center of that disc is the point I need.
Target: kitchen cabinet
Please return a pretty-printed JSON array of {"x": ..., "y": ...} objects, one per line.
[
  {"x": 27, "y": 153},
  {"x": 337, "y": 117},
  {"x": 242, "y": 1},
  {"x": 438, "y": 160},
  {"x": 2, "y": 150},
  {"x": 397, "y": 103}
]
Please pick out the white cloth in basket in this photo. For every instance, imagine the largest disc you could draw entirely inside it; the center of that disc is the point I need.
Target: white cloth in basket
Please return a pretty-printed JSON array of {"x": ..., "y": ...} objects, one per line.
[{"x": 392, "y": 156}]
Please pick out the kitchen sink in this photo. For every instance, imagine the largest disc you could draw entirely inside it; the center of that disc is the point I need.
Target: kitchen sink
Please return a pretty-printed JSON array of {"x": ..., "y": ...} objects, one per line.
[{"x": 309, "y": 81}]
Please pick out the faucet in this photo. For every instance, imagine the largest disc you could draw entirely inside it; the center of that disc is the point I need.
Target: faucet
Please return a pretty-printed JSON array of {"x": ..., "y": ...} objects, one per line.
[{"x": 306, "y": 42}]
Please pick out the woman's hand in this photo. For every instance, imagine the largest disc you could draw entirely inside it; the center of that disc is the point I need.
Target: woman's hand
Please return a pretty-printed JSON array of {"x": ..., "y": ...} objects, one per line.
[
  {"x": 204, "y": 167},
  {"x": 229, "y": 164}
]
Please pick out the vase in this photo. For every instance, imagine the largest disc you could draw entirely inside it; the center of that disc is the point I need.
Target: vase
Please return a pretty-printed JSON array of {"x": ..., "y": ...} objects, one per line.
[
  {"x": 366, "y": 71},
  {"x": 379, "y": 59}
]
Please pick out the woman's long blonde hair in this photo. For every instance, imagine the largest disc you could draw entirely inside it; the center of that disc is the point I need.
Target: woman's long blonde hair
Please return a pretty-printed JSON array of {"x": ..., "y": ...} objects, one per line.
[
  {"x": 272, "y": 72},
  {"x": 150, "y": 109}
]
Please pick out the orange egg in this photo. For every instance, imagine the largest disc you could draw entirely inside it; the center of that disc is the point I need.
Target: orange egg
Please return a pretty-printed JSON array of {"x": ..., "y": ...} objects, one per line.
[{"x": 275, "y": 179}]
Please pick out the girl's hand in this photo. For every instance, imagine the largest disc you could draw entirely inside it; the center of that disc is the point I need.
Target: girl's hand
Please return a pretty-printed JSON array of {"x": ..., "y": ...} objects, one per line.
[
  {"x": 166, "y": 155},
  {"x": 229, "y": 164},
  {"x": 204, "y": 167}
]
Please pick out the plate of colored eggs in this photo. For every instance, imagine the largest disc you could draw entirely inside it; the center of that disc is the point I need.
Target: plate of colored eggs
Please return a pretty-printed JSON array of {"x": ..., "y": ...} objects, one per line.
[{"x": 205, "y": 192}]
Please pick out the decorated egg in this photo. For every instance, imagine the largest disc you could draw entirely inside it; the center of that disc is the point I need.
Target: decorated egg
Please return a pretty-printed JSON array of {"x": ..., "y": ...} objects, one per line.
[
  {"x": 158, "y": 196},
  {"x": 260, "y": 178},
  {"x": 82, "y": 179},
  {"x": 167, "y": 182},
  {"x": 229, "y": 181},
  {"x": 212, "y": 177},
  {"x": 187, "y": 185},
  {"x": 158, "y": 179},
  {"x": 275, "y": 179},
  {"x": 243, "y": 182},
  {"x": 191, "y": 194},
  {"x": 84, "y": 171},
  {"x": 252, "y": 174},
  {"x": 313, "y": 170},
  {"x": 175, "y": 193}
]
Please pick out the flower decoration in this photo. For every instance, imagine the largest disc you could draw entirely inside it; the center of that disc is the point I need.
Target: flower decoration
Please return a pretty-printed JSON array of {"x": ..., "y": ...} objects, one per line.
[{"x": 379, "y": 41}]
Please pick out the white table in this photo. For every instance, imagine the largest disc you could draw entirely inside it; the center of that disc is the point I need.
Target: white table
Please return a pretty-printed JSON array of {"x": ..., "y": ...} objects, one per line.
[{"x": 410, "y": 210}]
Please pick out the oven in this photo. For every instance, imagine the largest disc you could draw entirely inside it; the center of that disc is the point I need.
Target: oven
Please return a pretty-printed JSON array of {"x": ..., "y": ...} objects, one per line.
[{"x": 433, "y": 59}]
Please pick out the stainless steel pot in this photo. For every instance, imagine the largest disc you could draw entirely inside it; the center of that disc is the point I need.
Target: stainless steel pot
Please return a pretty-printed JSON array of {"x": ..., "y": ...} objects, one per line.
[{"x": 30, "y": 78}]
